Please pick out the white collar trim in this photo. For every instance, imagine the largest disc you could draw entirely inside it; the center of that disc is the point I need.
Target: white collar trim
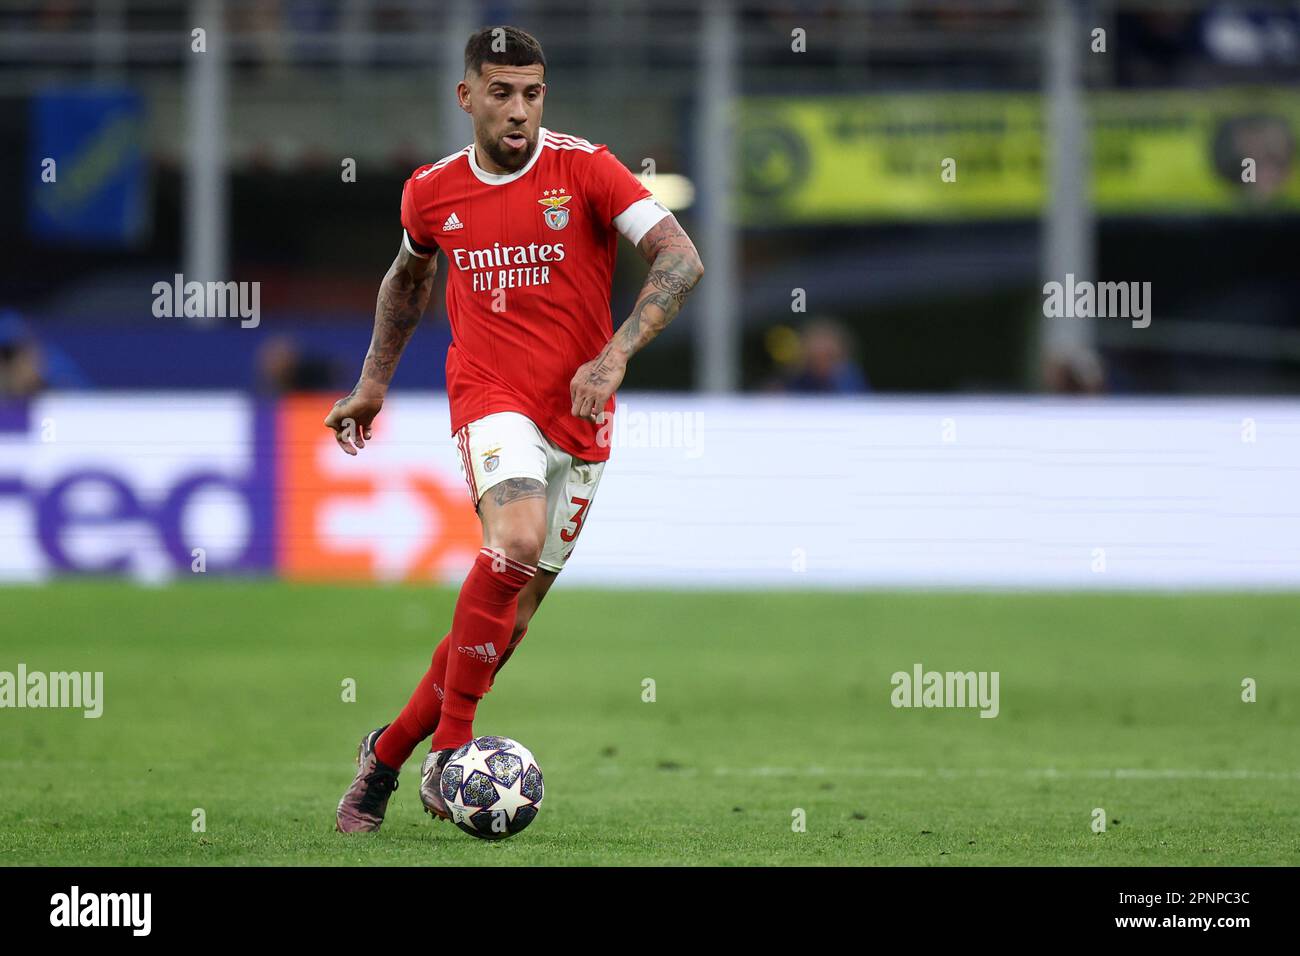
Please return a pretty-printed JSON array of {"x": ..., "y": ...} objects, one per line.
[{"x": 500, "y": 179}]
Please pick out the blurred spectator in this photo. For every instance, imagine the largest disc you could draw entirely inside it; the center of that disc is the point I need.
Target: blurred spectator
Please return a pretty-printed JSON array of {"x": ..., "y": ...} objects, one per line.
[
  {"x": 27, "y": 368},
  {"x": 282, "y": 367},
  {"x": 1268, "y": 141},
  {"x": 819, "y": 359},
  {"x": 1078, "y": 372}
]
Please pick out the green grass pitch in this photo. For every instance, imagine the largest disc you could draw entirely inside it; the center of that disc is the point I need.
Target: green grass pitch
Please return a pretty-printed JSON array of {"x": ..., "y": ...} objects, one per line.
[{"x": 227, "y": 696}]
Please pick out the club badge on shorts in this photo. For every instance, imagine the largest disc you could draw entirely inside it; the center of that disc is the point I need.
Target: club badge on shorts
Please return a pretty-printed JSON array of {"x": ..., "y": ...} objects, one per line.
[
  {"x": 491, "y": 458},
  {"x": 556, "y": 216}
]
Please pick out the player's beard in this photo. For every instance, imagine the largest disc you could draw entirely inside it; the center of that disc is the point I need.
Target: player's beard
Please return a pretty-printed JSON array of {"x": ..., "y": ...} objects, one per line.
[{"x": 507, "y": 158}]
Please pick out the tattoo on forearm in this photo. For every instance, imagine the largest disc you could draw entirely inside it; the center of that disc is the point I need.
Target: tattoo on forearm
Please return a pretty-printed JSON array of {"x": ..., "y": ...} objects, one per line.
[
  {"x": 517, "y": 489},
  {"x": 402, "y": 301},
  {"x": 675, "y": 269},
  {"x": 678, "y": 286}
]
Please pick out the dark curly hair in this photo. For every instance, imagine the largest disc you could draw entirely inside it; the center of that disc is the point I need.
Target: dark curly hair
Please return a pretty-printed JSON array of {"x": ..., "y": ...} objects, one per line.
[{"x": 513, "y": 47}]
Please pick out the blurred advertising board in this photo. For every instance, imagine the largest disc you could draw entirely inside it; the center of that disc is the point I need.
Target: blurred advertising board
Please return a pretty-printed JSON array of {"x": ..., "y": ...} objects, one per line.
[
  {"x": 856, "y": 158},
  {"x": 701, "y": 491},
  {"x": 89, "y": 176}
]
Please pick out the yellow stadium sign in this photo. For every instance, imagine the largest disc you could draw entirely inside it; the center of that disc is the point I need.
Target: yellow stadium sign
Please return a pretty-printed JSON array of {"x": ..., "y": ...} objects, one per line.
[{"x": 854, "y": 158}]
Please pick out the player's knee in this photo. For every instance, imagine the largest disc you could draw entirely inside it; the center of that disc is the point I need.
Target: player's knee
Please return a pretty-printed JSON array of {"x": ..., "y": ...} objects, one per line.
[{"x": 521, "y": 544}]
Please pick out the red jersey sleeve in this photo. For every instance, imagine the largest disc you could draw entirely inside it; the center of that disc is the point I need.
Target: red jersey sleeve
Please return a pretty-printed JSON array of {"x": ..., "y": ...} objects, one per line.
[
  {"x": 413, "y": 219},
  {"x": 611, "y": 187}
]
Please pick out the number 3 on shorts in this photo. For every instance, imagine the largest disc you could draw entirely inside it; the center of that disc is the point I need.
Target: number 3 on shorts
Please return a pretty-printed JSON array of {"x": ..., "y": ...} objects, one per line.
[{"x": 565, "y": 534}]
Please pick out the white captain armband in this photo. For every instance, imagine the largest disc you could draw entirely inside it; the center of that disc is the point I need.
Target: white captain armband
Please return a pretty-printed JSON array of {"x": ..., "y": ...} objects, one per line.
[{"x": 637, "y": 219}]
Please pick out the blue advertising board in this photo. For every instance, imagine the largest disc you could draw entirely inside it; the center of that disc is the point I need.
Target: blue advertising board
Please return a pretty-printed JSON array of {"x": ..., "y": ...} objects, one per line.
[{"x": 87, "y": 169}]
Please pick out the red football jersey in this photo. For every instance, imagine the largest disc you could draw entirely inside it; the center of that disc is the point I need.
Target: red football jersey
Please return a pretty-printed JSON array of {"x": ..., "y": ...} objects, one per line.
[{"x": 530, "y": 259}]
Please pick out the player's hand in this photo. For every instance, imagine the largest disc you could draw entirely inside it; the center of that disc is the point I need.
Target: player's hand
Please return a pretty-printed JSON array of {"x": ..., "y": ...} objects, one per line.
[
  {"x": 351, "y": 417},
  {"x": 595, "y": 382}
]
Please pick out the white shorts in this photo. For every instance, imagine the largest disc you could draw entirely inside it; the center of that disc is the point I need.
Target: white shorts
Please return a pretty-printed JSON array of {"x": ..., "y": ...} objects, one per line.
[{"x": 508, "y": 445}]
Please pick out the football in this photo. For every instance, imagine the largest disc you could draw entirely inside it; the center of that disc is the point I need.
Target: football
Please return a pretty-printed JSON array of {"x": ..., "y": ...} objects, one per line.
[{"x": 493, "y": 787}]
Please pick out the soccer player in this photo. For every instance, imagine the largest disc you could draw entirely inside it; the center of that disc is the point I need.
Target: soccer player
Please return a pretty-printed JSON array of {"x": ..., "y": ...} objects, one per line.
[{"x": 528, "y": 220}]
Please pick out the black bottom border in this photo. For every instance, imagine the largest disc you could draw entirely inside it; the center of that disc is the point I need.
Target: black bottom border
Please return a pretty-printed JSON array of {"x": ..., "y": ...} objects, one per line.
[{"x": 361, "y": 905}]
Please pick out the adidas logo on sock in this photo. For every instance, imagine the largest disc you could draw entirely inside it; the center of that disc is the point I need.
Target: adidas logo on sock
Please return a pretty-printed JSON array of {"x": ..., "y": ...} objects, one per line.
[
  {"x": 453, "y": 222},
  {"x": 483, "y": 652}
]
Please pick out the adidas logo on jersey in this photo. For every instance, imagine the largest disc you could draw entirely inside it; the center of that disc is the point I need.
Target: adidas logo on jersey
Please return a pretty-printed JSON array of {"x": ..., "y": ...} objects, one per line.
[
  {"x": 484, "y": 652},
  {"x": 452, "y": 223}
]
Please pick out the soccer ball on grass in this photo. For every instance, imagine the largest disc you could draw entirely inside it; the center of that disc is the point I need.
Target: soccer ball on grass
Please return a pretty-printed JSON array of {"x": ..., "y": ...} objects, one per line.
[{"x": 493, "y": 787}]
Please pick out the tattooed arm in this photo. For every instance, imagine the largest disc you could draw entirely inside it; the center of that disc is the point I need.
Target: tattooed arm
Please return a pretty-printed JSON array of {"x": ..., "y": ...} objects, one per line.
[
  {"x": 403, "y": 297},
  {"x": 675, "y": 268}
]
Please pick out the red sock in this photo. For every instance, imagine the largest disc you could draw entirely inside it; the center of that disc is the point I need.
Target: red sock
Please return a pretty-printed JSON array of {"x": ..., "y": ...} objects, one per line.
[
  {"x": 480, "y": 632},
  {"x": 419, "y": 717}
]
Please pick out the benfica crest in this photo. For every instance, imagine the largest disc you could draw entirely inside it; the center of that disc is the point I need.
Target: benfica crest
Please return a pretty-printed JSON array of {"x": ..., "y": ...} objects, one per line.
[{"x": 556, "y": 216}]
